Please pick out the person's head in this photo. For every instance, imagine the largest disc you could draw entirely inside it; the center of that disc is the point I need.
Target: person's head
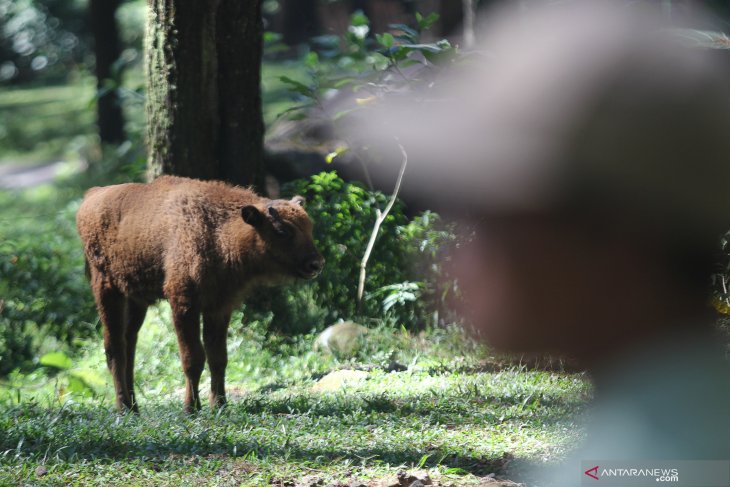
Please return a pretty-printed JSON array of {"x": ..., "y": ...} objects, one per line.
[{"x": 591, "y": 151}]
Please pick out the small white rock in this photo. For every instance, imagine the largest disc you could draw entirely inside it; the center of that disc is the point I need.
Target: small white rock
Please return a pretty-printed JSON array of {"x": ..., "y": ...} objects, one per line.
[{"x": 340, "y": 338}]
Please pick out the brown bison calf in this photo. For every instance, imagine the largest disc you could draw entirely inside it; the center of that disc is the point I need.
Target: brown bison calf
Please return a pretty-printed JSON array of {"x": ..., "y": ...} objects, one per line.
[{"x": 201, "y": 245}]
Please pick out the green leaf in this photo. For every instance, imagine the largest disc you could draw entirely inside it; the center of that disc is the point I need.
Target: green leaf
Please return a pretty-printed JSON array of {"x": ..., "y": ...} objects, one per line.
[
  {"x": 298, "y": 86},
  {"x": 77, "y": 385},
  {"x": 425, "y": 23},
  {"x": 386, "y": 40},
  {"x": 378, "y": 61},
  {"x": 311, "y": 60},
  {"x": 272, "y": 37},
  {"x": 409, "y": 62},
  {"x": 399, "y": 53},
  {"x": 456, "y": 471},
  {"x": 291, "y": 111},
  {"x": 90, "y": 377},
  {"x": 335, "y": 153},
  {"x": 434, "y": 47},
  {"x": 410, "y": 34},
  {"x": 359, "y": 19},
  {"x": 343, "y": 82},
  {"x": 57, "y": 360}
]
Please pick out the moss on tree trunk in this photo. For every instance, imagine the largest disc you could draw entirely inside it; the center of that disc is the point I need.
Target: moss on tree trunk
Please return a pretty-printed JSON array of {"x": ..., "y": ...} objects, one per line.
[{"x": 203, "y": 64}]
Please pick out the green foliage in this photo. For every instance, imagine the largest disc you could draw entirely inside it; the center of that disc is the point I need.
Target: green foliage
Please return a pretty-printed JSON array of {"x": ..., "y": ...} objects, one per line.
[
  {"x": 356, "y": 62},
  {"x": 42, "y": 38},
  {"x": 56, "y": 360},
  {"x": 402, "y": 272},
  {"x": 398, "y": 294},
  {"x": 44, "y": 293},
  {"x": 70, "y": 379},
  {"x": 47, "y": 123},
  {"x": 720, "y": 280},
  {"x": 345, "y": 212}
]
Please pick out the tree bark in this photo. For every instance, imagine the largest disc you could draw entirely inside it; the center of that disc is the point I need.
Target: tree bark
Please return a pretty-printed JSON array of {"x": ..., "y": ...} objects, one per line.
[
  {"x": 203, "y": 63},
  {"x": 301, "y": 21},
  {"x": 106, "y": 47},
  {"x": 452, "y": 14}
]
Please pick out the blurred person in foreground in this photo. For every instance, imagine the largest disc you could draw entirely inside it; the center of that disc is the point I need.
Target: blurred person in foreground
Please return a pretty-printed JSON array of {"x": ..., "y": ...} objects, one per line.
[{"x": 591, "y": 151}]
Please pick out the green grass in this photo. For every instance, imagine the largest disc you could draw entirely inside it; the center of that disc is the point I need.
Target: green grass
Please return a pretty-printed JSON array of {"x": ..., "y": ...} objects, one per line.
[
  {"x": 275, "y": 95},
  {"x": 42, "y": 123},
  {"x": 449, "y": 413}
]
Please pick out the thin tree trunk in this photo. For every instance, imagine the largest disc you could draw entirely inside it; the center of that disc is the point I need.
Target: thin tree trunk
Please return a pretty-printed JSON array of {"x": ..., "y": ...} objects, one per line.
[
  {"x": 301, "y": 21},
  {"x": 469, "y": 8},
  {"x": 106, "y": 47},
  {"x": 240, "y": 42},
  {"x": 203, "y": 62},
  {"x": 380, "y": 217},
  {"x": 452, "y": 14}
]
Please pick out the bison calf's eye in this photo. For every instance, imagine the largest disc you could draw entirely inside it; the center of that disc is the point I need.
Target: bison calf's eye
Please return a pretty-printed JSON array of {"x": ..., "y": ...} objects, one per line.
[{"x": 284, "y": 233}]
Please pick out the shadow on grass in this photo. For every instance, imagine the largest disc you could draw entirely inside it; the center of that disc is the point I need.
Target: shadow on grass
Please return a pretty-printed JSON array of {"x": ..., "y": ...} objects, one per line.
[
  {"x": 373, "y": 429},
  {"x": 430, "y": 407},
  {"x": 115, "y": 449}
]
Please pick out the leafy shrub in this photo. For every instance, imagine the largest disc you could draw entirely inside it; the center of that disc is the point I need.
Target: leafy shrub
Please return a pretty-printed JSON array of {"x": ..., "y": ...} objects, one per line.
[
  {"x": 400, "y": 285},
  {"x": 393, "y": 62},
  {"x": 43, "y": 290},
  {"x": 402, "y": 273}
]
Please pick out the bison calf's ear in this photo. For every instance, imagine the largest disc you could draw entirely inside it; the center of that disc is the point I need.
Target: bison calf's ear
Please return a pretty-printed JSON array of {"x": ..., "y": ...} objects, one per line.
[
  {"x": 298, "y": 200},
  {"x": 252, "y": 215}
]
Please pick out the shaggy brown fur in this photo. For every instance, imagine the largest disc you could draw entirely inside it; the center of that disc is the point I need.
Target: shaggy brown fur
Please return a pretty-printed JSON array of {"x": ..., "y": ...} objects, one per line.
[{"x": 201, "y": 245}]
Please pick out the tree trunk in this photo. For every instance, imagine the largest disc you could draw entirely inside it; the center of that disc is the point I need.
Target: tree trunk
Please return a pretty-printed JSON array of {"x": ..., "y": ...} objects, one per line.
[
  {"x": 203, "y": 65},
  {"x": 106, "y": 48},
  {"x": 301, "y": 21},
  {"x": 364, "y": 6},
  {"x": 452, "y": 14}
]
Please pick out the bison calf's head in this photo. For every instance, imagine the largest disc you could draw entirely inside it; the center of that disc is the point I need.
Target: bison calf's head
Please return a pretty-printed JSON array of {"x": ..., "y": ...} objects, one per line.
[{"x": 286, "y": 230}]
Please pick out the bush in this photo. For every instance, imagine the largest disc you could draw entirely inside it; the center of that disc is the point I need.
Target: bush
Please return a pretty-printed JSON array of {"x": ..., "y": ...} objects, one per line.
[
  {"x": 44, "y": 294},
  {"x": 402, "y": 274},
  {"x": 403, "y": 271}
]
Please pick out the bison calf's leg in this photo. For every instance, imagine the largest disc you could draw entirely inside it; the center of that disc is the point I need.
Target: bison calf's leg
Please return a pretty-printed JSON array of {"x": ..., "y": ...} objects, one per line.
[
  {"x": 215, "y": 331},
  {"x": 110, "y": 304},
  {"x": 186, "y": 317},
  {"x": 135, "y": 317}
]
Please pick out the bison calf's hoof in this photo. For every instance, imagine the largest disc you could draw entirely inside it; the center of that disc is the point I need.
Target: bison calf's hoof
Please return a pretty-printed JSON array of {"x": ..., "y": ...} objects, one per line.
[
  {"x": 203, "y": 245},
  {"x": 217, "y": 402}
]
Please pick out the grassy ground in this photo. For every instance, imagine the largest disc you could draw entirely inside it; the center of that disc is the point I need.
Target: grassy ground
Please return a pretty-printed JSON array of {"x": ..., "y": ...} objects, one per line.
[
  {"x": 450, "y": 412},
  {"x": 45, "y": 123}
]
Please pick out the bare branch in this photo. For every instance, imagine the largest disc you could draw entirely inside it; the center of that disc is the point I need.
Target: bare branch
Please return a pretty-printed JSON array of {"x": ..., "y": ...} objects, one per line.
[{"x": 380, "y": 218}]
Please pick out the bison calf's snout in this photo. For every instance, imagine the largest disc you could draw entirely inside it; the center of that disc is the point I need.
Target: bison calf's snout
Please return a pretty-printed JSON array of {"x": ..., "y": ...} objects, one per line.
[{"x": 313, "y": 266}]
